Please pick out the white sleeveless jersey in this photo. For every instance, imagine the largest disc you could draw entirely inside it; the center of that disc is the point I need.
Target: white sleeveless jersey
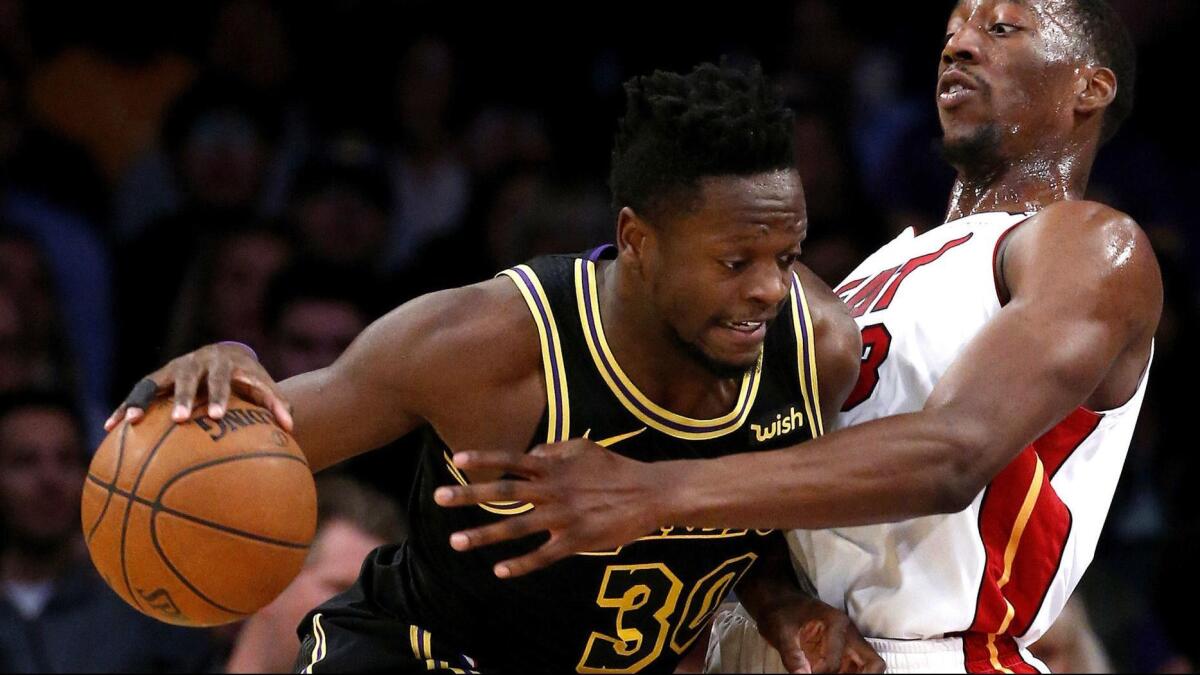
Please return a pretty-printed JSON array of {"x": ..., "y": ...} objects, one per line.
[{"x": 998, "y": 573}]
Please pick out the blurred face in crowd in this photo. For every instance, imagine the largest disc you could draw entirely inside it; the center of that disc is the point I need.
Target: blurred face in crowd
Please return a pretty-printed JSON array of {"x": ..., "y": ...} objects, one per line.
[
  {"x": 243, "y": 269},
  {"x": 719, "y": 272},
  {"x": 41, "y": 475},
  {"x": 332, "y": 566},
  {"x": 342, "y": 226},
  {"x": 224, "y": 159},
  {"x": 313, "y": 332},
  {"x": 1007, "y": 77},
  {"x": 16, "y": 366},
  {"x": 23, "y": 275}
]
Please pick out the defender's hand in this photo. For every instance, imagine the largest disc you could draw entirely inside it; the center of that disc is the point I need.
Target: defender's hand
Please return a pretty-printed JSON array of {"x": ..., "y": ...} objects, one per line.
[
  {"x": 586, "y": 497},
  {"x": 218, "y": 368},
  {"x": 809, "y": 633}
]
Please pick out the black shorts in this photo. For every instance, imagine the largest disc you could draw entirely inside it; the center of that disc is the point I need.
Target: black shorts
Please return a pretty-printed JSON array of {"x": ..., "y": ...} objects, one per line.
[{"x": 350, "y": 634}]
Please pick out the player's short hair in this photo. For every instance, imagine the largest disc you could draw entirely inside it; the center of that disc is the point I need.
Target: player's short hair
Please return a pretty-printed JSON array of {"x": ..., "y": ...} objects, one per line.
[
  {"x": 677, "y": 129},
  {"x": 1111, "y": 46},
  {"x": 342, "y": 498}
]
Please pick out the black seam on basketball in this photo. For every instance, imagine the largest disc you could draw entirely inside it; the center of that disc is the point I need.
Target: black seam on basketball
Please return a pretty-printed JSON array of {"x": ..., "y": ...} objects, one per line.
[
  {"x": 129, "y": 509},
  {"x": 109, "y": 488},
  {"x": 159, "y": 507},
  {"x": 222, "y": 460},
  {"x": 179, "y": 575}
]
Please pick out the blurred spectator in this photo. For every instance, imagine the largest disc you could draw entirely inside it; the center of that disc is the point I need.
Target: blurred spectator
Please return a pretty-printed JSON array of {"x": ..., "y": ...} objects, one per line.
[
  {"x": 501, "y": 136},
  {"x": 218, "y": 141},
  {"x": 25, "y": 283},
  {"x": 519, "y": 214},
  {"x": 340, "y": 207},
  {"x": 843, "y": 226},
  {"x": 431, "y": 183},
  {"x": 312, "y": 315},
  {"x": 351, "y": 521},
  {"x": 17, "y": 371},
  {"x": 56, "y": 615},
  {"x": 207, "y": 286},
  {"x": 217, "y": 144},
  {"x": 224, "y": 295},
  {"x": 1071, "y": 646}
]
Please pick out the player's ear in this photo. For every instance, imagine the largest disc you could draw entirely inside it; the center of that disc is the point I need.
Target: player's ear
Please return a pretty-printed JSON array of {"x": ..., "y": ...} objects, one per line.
[
  {"x": 1095, "y": 90},
  {"x": 633, "y": 233}
]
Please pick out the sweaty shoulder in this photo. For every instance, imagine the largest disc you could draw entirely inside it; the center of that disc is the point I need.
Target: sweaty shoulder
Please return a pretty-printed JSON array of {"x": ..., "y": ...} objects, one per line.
[
  {"x": 1088, "y": 273},
  {"x": 839, "y": 343},
  {"x": 1094, "y": 248},
  {"x": 452, "y": 347}
]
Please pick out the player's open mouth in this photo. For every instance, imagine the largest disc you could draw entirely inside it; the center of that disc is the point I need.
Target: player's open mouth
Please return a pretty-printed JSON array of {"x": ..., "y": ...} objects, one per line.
[
  {"x": 744, "y": 326},
  {"x": 954, "y": 87},
  {"x": 748, "y": 334}
]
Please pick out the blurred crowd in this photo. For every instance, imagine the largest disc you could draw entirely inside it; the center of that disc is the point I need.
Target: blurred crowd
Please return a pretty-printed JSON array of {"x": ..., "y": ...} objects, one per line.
[{"x": 281, "y": 174}]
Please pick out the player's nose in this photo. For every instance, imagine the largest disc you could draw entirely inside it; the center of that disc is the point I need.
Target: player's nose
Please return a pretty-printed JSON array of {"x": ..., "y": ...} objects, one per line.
[
  {"x": 768, "y": 285},
  {"x": 963, "y": 46}
]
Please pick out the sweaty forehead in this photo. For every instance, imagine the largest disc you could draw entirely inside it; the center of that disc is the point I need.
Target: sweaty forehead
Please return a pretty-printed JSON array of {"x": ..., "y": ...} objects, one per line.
[
  {"x": 1054, "y": 23},
  {"x": 765, "y": 199},
  {"x": 1052, "y": 11}
]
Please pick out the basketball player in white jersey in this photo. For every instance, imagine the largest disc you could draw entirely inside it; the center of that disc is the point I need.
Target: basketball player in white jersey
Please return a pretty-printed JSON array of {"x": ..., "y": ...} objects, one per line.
[{"x": 1005, "y": 360}]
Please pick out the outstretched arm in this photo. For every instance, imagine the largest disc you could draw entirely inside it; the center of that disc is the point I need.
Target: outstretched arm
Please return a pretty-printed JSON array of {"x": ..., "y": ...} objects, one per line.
[
  {"x": 1085, "y": 299},
  {"x": 435, "y": 360}
]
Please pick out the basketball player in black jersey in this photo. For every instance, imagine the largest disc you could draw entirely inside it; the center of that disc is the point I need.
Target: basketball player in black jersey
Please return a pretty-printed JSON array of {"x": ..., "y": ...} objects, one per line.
[{"x": 697, "y": 334}]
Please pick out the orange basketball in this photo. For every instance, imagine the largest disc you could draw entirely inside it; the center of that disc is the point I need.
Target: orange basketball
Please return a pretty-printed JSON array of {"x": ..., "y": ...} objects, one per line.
[{"x": 200, "y": 523}]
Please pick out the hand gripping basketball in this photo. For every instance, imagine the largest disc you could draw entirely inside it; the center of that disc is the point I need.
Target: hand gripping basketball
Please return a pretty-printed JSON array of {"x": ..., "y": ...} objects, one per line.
[
  {"x": 200, "y": 523},
  {"x": 214, "y": 370}
]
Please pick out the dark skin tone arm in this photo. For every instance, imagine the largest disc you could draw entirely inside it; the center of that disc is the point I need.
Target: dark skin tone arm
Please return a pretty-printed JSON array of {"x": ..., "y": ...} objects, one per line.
[
  {"x": 402, "y": 372},
  {"x": 1085, "y": 297}
]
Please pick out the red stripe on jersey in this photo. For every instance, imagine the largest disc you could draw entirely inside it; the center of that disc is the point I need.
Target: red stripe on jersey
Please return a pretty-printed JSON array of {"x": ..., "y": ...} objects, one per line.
[
  {"x": 1024, "y": 527},
  {"x": 978, "y": 656},
  {"x": 1058, "y": 443}
]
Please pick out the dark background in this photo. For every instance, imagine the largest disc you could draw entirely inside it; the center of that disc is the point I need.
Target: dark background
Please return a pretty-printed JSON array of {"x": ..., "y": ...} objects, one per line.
[{"x": 177, "y": 173}]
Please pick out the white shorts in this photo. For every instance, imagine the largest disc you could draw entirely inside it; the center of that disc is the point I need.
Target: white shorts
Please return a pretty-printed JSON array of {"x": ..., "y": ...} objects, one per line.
[{"x": 737, "y": 647}]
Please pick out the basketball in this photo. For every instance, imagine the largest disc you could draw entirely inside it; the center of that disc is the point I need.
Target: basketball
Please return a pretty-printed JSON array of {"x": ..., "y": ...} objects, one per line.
[{"x": 200, "y": 523}]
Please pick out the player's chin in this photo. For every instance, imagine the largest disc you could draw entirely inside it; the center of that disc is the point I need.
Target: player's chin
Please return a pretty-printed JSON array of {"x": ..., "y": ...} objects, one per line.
[{"x": 734, "y": 351}]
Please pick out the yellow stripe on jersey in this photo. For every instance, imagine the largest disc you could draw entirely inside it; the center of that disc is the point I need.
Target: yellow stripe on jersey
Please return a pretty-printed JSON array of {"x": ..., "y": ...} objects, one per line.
[
  {"x": 806, "y": 354},
  {"x": 1010, "y": 553},
  {"x": 558, "y": 427},
  {"x": 319, "y": 647}
]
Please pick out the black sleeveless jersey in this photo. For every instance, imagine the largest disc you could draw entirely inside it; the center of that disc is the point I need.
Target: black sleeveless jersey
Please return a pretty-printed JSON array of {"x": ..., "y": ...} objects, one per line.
[{"x": 636, "y": 608}]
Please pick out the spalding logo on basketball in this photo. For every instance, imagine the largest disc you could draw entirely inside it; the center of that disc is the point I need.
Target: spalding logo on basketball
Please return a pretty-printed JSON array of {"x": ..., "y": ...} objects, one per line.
[{"x": 200, "y": 523}]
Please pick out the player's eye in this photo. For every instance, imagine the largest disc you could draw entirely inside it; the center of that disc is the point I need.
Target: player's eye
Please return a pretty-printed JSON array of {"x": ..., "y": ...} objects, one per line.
[
  {"x": 733, "y": 264},
  {"x": 1003, "y": 29},
  {"x": 789, "y": 259}
]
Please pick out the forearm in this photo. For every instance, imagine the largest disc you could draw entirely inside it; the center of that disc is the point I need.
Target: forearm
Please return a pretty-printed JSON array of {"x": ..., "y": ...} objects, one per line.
[
  {"x": 334, "y": 421},
  {"x": 887, "y": 470},
  {"x": 771, "y": 582}
]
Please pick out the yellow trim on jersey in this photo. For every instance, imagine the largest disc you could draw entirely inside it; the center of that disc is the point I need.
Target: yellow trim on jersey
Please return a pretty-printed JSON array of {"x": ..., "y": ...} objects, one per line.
[
  {"x": 551, "y": 346},
  {"x": 498, "y": 508},
  {"x": 1010, "y": 553},
  {"x": 319, "y": 646},
  {"x": 805, "y": 341},
  {"x": 414, "y": 641},
  {"x": 421, "y": 642},
  {"x": 731, "y": 421}
]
